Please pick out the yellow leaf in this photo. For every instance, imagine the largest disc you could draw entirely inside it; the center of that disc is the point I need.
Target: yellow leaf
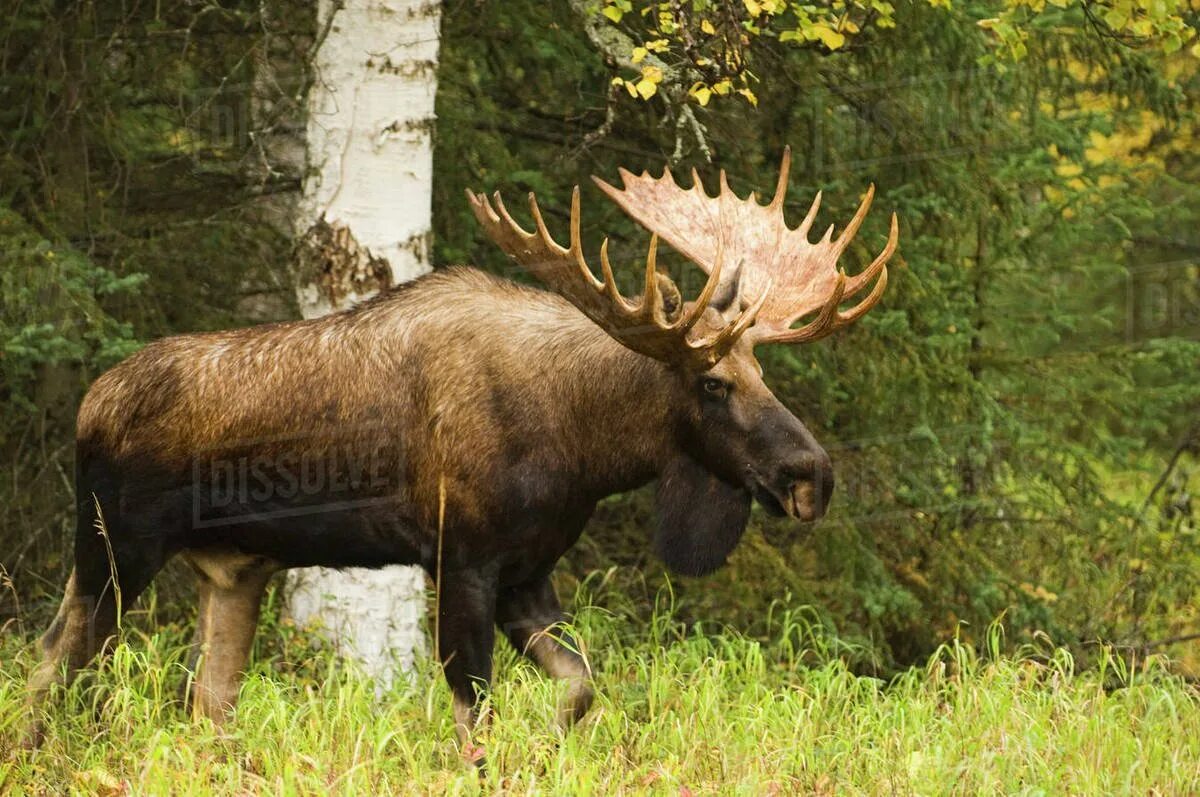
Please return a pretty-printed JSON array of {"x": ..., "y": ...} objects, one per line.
[
  {"x": 753, "y": 6},
  {"x": 631, "y": 87},
  {"x": 613, "y": 13},
  {"x": 1116, "y": 18},
  {"x": 723, "y": 87},
  {"x": 707, "y": 27},
  {"x": 639, "y": 54},
  {"x": 828, "y": 36},
  {"x": 749, "y": 95},
  {"x": 658, "y": 45},
  {"x": 652, "y": 74},
  {"x": 646, "y": 88},
  {"x": 702, "y": 95},
  {"x": 849, "y": 26}
]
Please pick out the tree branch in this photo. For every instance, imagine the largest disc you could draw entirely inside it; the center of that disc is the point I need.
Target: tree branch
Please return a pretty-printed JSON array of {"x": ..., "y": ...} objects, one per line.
[
  {"x": 1190, "y": 442},
  {"x": 617, "y": 50}
]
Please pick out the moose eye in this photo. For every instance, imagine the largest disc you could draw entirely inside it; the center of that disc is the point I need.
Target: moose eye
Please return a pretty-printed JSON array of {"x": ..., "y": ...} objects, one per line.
[{"x": 715, "y": 388}]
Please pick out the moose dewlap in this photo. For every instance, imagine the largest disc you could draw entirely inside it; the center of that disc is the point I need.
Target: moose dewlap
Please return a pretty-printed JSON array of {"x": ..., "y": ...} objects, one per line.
[{"x": 334, "y": 441}]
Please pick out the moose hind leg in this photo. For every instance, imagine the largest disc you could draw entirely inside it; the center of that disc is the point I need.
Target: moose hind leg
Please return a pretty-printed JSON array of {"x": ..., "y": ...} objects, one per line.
[
  {"x": 79, "y": 629},
  {"x": 466, "y": 635},
  {"x": 106, "y": 580},
  {"x": 231, "y": 588},
  {"x": 528, "y": 616}
]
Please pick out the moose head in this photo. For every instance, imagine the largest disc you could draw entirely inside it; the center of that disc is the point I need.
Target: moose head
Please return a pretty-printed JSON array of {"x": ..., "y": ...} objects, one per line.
[{"x": 735, "y": 440}]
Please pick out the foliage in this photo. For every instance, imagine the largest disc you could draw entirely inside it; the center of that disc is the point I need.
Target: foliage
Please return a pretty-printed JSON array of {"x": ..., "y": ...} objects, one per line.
[
  {"x": 714, "y": 43},
  {"x": 51, "y": 314},
  {"x": 679, "y": 711}
]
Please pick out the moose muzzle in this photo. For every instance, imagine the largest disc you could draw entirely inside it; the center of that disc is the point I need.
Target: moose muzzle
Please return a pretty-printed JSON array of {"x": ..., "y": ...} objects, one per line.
[
  {"x": 805, "y": 488},
  {"x": 801, "y": 490}
]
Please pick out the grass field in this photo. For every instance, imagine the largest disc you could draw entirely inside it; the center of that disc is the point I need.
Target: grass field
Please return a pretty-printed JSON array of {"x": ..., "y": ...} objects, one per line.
[{"x": 678, "y": 712}]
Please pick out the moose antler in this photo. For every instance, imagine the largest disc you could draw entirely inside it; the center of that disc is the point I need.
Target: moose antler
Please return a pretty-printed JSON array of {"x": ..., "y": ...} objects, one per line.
[
  {"x": 805, "y": 275},
  {"x": 641, "y": 326}
]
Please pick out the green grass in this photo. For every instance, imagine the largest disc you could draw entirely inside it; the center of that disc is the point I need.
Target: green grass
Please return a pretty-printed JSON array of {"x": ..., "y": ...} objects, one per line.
[{"x": 678, "y": 711}]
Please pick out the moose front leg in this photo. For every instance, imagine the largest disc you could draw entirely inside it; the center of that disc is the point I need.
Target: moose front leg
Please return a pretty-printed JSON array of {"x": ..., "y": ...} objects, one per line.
[
  {"x": 466, "y": 635},
  {"x": 528, "y": 615},
  {"x": 230, "y": 589}
]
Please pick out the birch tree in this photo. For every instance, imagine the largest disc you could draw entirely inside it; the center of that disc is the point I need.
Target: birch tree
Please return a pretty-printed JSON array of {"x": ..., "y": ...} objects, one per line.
[{"x": 363, "y": 223}]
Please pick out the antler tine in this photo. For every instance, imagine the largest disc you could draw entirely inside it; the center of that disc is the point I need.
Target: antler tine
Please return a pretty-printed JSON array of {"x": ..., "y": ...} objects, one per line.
[
  {"x": 848, "y": 234},
  {"x": 543, "y": 231},
  {"x": 860, "y": 309},
  {"x": 502, "y": 214},
  {"x": 819, "y": 327},
  {"x": 781, "y": 187},
  {"x": 476, "y": 201},
  {"x": 484, "y": 211},
  {"x": 610, "y": 282},
  {"x": 577, "y": 243},
  {"x": 810, "y": 217},
  {"x": 710, "y": 287},
  {"x": 650, "y": 293},
  {"x": 879, "y": 264}
]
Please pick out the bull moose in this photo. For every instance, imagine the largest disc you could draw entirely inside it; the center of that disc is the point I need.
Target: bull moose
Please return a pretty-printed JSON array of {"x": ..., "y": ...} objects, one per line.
[{"x": 495, "y": 416}]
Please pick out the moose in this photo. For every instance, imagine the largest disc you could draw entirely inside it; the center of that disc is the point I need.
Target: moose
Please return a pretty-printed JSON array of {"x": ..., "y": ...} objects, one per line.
[{"x": 467, "y": 424}]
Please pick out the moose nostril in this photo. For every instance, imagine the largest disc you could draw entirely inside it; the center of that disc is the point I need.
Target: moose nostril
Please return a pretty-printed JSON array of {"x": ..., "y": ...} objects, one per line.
[{"x": 817, "y": 470}]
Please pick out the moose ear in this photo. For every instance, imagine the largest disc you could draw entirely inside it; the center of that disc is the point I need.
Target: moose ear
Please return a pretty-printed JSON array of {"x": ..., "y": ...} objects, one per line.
[
  {"x": 728, "y": 291},
  {"x": 671, "y": 305},
  {"x": 700, "y": 518}
]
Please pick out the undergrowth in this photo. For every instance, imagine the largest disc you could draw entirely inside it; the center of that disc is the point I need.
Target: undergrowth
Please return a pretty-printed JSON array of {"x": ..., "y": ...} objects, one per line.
[{"x": 681, "y": 709}]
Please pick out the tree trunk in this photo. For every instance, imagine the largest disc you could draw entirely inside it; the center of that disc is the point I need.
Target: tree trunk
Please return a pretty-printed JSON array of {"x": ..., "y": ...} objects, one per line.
[{"x": 363, "y": 224}]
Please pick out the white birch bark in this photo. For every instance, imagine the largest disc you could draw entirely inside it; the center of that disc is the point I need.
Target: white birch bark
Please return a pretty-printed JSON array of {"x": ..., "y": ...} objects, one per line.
[{"x": 370, "y": 168}]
